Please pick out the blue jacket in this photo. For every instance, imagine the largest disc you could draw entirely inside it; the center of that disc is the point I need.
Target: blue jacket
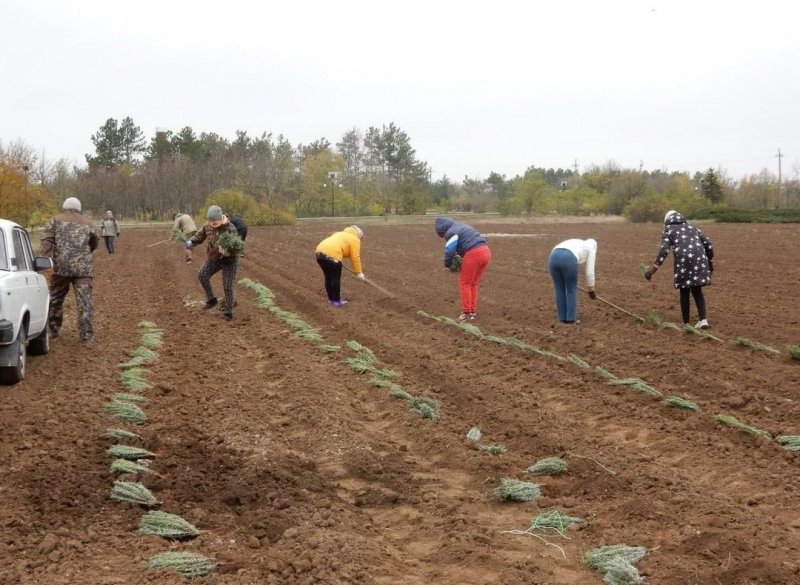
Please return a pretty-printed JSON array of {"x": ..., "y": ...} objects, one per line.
[{"x": 459, "y": 238}]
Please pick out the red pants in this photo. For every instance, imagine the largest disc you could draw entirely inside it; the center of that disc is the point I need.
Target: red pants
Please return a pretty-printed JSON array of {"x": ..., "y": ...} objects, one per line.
[{"x": 473, "y": 265}]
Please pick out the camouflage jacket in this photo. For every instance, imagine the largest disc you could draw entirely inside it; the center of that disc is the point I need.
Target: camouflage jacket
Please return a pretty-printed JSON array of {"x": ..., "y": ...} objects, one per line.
[
  {"x": 210, "y": 235},
  {"x": 69, "y": 239}
]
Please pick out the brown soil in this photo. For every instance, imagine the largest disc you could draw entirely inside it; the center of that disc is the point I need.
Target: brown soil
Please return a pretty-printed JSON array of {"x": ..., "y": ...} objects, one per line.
[{"x": 299, "y": 472}]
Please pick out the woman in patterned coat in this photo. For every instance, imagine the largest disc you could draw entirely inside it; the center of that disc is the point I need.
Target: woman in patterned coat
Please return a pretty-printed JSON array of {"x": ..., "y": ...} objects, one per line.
[{"x": 693, "y": 255}]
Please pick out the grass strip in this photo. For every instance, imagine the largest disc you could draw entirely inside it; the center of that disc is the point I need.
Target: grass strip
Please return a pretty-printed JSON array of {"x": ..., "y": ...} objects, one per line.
[
  {"x": 121, "y": 434},
  {"x": 126, "y": 412},
  {"x": 126, "y": 466},
  {"x": 493, "y": 449},
  {"x": 133, "y": 492},
  {"x": 129, "y": 452},
  {"x": 789, "y": 442},
  {"x": 676, "y": 402},
  {"x": 190, "y": 565},
  {"x": 126, "y": 397},
  {"x": 166, "y": 525},
  {"x": 734, "y": 422}
]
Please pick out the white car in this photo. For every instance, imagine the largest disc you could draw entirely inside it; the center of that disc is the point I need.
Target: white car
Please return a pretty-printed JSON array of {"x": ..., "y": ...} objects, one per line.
[{"x": 24, "y": 303}]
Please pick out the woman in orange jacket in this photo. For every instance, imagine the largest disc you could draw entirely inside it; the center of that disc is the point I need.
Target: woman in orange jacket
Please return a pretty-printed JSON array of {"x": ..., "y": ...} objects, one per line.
[{"x": 330, "y": 253}]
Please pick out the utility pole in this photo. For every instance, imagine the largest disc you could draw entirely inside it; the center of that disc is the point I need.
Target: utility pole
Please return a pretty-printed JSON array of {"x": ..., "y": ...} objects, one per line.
[
  {"x": 575, "y": 165},
  {"x": 779, "y": 156},
  {"x": 332, "y": 177}
]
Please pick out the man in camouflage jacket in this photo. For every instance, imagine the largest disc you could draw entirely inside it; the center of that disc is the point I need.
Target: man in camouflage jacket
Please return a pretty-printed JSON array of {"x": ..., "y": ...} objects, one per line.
[{"x": 69, "y": 239}]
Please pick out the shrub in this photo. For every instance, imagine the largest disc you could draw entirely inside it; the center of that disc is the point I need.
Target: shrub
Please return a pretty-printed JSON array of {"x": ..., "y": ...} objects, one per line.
[{"x": 237, "y": 202}]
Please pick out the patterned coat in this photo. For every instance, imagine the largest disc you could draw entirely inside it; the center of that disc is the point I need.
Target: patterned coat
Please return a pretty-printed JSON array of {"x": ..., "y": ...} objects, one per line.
[
  {"x": 69, "y": 239},
  {"x": 691, "y": 250},
  {"x": 210, "y": 235}
]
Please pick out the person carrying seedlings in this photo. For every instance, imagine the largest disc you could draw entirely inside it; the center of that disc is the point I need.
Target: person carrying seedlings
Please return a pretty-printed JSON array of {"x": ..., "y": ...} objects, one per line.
[
  {"x": 223, "y": 247},
  {"x": 184, "y": 228},
  {"x": 563, "y": 263},
  {"x": 110, "y": 231},
  {"x": 330, "y": 253},
  {"x": 69, "y": 239},
  {"x": 693, "y": 260},
  {"x": 467, "y": 243}
]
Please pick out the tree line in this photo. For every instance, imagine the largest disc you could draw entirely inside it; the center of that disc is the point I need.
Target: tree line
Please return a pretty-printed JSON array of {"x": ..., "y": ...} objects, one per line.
[{"x": 372, "y": 172}]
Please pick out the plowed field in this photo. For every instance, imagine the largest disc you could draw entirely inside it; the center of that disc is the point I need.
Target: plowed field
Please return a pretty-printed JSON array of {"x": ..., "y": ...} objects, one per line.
[{"x": 297, "y": 470}]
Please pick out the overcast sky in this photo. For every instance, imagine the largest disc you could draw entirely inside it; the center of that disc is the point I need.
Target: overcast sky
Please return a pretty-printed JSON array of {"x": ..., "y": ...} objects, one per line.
[{"x": 478, "y": 86}]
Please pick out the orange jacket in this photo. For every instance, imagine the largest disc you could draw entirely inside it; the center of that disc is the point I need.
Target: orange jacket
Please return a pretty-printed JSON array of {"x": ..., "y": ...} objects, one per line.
[{"x": 343, "y": 244}]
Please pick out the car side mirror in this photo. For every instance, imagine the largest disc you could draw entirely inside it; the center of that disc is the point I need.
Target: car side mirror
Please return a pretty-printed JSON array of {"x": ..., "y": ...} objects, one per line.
[{"x": 42, "y": 263}]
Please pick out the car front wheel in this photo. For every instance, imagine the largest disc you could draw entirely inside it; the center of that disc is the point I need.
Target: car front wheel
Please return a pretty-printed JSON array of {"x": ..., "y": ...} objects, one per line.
[
  {"x": 18, "y": 352},
  {"x": 40, "y": 345}
]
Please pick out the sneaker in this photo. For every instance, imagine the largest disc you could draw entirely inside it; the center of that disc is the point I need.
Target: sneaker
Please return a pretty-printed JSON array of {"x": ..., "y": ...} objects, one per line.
[
  {"x": 227, "y": 317},
  {"x": 338, "y": 303},
  {"x": 702, "y": 324},
  {"x": 463, "y": 317},
  {"x": 211, "y": 303},
  {"x": 471, "y": 316}
]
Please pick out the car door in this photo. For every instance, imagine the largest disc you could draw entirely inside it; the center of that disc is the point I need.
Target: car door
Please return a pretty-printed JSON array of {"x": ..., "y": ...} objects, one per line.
[
  {"x": 36, "y": 293},
  {"x": 16, "y": 288}
]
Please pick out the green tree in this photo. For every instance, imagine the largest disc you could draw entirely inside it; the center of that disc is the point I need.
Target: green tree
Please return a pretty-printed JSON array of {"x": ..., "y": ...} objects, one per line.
[
  {"x": 710, "y": 187},
  {"x": 116, "y": 143}
]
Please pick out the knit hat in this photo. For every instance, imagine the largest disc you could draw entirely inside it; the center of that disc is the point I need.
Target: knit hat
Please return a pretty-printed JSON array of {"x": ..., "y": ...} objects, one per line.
[
  {"x": 72, "y": 204},
  {"x": 214, "y": 213},
  {"x": 359, "y": 231},
  {"x": 670, "y": 212}
]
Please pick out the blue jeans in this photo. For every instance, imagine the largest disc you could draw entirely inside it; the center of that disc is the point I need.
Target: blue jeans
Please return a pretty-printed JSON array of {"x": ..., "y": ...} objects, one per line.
[{"x": 563, "y": 267}]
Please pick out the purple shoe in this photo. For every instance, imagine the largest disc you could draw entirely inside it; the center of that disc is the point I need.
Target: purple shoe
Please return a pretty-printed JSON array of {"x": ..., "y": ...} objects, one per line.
[{"x": 339, "y": 303}]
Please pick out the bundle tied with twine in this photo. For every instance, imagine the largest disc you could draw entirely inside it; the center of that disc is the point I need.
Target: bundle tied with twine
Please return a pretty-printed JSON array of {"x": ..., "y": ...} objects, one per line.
[
  {"x": 548, "y": 466},
  {"x": 616, "y": 562},
  {"x": 514, "y": 490}
]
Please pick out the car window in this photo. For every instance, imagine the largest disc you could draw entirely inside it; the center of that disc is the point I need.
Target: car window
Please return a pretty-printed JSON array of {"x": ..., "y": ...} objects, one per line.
[
  {"x": 3, "y": 254},
  {"x": 22, "y": 251}
]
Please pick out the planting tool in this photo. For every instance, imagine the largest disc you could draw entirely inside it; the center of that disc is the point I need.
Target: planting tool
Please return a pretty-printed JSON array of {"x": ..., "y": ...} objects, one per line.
[
  {"x": 610, "y": 304},
  {"x": 368, "y": 281},
  {"x": 157, "y": 243}
]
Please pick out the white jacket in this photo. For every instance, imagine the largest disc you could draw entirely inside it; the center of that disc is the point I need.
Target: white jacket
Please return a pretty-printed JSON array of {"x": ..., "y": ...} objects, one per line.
[{"x": 586, "y": 253}]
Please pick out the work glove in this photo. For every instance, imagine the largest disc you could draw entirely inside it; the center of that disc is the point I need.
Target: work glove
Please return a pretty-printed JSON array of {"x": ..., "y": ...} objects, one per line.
[
  {"x": 223, "y": 251},
  {"x": 592, "y": 295},
  {"x": 188, "y": 244},
  {"x": 711, "y": 266},
  {"x": 360, "y": 276},
  {"x": 650, "y": 272}
]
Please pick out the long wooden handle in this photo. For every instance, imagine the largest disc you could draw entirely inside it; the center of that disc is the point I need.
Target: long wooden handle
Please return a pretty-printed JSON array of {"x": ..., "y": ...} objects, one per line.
[
  {"x": 157, "y": 243},
  {"x": 610, "y": 304},
  {"x": 369, "y": 282}
]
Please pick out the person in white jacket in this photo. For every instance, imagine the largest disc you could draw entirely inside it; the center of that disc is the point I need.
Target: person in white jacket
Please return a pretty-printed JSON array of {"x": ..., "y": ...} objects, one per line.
[{"x": 563, "y": 265}]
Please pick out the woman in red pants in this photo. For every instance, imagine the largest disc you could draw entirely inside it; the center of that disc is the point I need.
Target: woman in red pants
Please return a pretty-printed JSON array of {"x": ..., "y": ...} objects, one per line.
[{"x": 465, "y": 241}]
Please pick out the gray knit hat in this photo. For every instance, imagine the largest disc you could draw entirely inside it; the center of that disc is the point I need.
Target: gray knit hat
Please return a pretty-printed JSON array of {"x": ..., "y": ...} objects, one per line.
[{"x": 214, "y": 213}]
